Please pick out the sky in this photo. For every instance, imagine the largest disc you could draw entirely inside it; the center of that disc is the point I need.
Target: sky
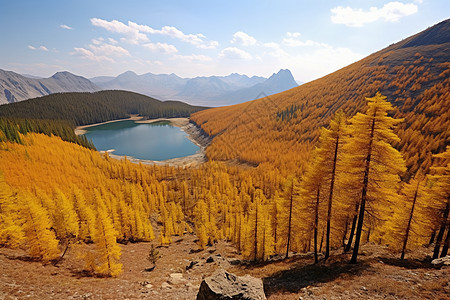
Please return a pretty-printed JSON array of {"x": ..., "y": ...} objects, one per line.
[{"x": 203, "y": 38}]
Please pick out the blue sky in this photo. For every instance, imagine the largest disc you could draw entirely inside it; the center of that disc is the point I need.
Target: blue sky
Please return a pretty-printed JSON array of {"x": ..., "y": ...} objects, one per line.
[{"x": 203, "y": 38}]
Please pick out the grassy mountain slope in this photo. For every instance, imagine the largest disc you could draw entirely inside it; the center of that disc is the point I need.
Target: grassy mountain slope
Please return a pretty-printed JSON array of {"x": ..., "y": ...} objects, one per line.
[
  {"x": 15, "y": 87},
  {"x": 88, "y": 108},
  {"x": 414, "y": 74}
]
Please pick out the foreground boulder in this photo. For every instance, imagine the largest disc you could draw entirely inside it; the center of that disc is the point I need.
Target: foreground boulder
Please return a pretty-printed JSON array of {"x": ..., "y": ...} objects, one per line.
[
  {"x": 224, "y": 285},
  {"x": 445, "y": 261}
]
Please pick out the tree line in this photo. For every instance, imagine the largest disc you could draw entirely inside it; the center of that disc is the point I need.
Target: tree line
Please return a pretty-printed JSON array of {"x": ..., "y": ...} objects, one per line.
[
  {"x": 90, "y": 108},
  {"x": 415, "y": 80},
  {"x": 12, "y": 129}
]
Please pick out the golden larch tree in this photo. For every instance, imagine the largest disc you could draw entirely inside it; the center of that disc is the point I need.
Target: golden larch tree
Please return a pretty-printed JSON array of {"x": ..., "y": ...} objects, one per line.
[
  {"x": 441, "y": 195},
  {"x": 40, "y": 239},
  {"x": 372, "y": 161},
  {"x": 408, "y": 226},
  {"x": 108, "y": 251},
  {"x": 11, "y": 233}
]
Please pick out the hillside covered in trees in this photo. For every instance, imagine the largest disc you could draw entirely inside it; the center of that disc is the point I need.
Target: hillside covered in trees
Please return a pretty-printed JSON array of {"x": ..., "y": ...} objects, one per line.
[
  {"x": 358, "y": 156},
  {"x": 89, "y": 108},
  {"x": 12, "y": 129},
  {"x": 282, "y": 129}
]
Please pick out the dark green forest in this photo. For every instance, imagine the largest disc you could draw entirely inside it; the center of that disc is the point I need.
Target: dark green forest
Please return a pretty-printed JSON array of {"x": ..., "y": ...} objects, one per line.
[
  {"x": 11, "y": 130},
  {"x": 89, "y": 108}
]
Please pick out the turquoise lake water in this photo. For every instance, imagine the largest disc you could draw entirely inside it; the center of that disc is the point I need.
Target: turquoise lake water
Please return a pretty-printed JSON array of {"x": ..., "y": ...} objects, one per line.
[{"x": 158, "y": 141}]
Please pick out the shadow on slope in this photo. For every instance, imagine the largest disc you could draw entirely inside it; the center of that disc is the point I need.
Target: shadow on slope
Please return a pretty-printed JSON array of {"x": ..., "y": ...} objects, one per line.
[{"x": 301, "y": 276}]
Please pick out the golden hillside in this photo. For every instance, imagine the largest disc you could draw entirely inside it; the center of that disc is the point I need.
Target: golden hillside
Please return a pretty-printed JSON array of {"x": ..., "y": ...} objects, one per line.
[{"x": 281, "y": 129}]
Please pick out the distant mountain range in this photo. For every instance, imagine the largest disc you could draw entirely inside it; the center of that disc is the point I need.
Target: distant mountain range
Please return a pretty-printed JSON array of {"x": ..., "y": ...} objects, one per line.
[
  {"x": 15, "y": 87},
  {"x": 208, "y": 91}
]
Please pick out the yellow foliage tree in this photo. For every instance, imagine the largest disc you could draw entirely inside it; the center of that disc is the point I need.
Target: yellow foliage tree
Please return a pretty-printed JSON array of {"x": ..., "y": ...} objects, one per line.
[
  {"x": 108, "y": 251},
  {"x": 441, "y": 195},
  {"x": 373, "y": 162},
  {"x": 41, "y": 241},
  {"x": 11, "y": 233},
  {"x": 408, "y": 225},
  {"x": 201, "y": 222},
  {"x": 86, "y": 216}
]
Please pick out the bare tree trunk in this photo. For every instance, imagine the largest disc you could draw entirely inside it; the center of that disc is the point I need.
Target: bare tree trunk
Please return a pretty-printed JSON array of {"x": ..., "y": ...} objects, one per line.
[
  {"x": 321, "y": 242},
  {"x": 290, "y": 220},
  {"x": 316, "y": 223},
  {"x": 330, "y": 199},
  {"x": 362, "y": 207},
  {"x": 264, "y": 240},
  {"x": 256, "y": 231},
  {"x": 408, "y": 227},
  {"x": 433, "y": 235},
  {"x": 345, "y": 232},
  {"x": 441, "y": 232},
  {"x": 64, "y": 253},
  {"x": 446, "y": 243},
  {"x": 352, "y": 230}
]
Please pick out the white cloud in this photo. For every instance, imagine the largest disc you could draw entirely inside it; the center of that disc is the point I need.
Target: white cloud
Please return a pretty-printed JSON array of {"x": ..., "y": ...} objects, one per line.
[
  {"x": 293, "y": 34},
  {"x": 161, "y": 47},
  {"x": 194, "y": 39},
  {"x": 112, "y": 41},
  {"x": 64, "y": 26},
  {"x": 42, "y": 48},
  {"x": 137, "y": 33},
  {"x": 133, "y": 34},
  {"x": 235, "y": 53},
  {"x": 97, "y": 41},
  {"x": 85, "y": 53},
  {"x": 390, "y": 12},
  {"x": 209, "y": 45},
  {"x": 241, "y": 38},
  {"x": 109, "y": 50}
]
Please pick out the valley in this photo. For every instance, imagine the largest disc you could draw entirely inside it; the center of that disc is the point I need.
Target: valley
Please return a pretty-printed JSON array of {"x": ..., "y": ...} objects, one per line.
[{"x": 334, "y": 189}]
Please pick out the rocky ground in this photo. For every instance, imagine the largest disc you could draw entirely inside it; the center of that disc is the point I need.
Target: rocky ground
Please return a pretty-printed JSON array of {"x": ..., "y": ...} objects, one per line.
[
  {"x": 182, "y": 267},
  {"x": 171, "y": 279}
]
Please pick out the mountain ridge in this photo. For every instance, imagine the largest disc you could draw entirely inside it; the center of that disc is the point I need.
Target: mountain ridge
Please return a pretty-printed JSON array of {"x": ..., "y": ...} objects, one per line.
[
  {"x": 15, "y": 87},
  {"x": 202, "y": 90}
]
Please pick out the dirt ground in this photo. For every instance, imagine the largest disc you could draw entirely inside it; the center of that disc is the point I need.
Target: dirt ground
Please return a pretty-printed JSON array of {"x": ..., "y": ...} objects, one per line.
[
  {"x": 21, "y": 278},
  {"x": 378, "y": 275}
]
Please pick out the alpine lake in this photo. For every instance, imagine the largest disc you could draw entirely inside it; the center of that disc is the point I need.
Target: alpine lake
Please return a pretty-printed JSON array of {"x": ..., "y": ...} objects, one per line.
[{"x": 147, "y": 141}]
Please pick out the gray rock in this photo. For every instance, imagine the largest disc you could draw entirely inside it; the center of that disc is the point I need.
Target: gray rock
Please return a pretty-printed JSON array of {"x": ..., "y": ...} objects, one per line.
[
  {"x": 176, "y": 278},
  {"x": 165, "y": 286},
  {"x": 224, "y": 285},
  {"x": 191, "y": 265},
  {"x": 441, "y": 261}
]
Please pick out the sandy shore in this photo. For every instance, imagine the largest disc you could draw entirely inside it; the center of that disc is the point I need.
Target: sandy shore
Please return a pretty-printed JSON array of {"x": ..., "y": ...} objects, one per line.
[
  {"x": 193, "y": 132},
  {"x": 81, "y": 129}
]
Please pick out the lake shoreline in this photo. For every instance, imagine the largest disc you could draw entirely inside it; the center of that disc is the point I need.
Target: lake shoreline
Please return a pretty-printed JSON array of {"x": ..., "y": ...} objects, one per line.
[{"x": 193, "y": 133}]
